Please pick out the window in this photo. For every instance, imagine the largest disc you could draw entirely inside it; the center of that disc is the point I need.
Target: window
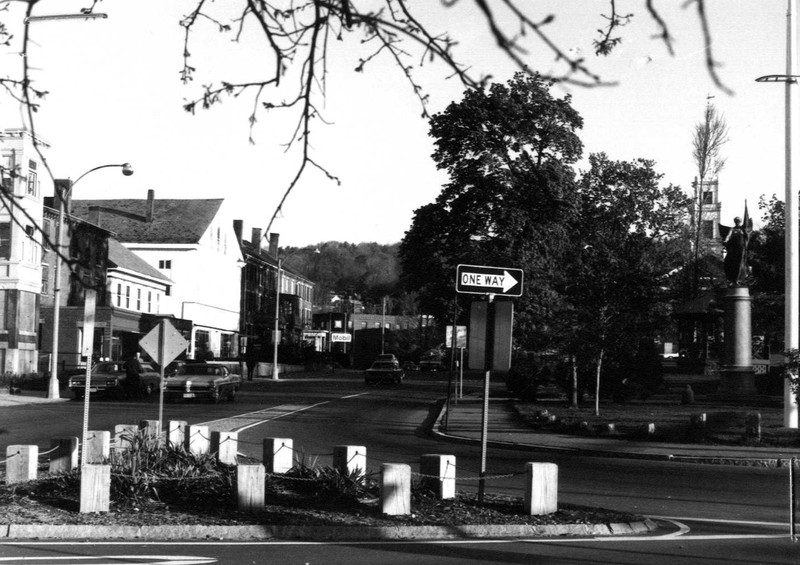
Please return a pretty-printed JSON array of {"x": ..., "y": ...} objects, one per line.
[
  {"x": 45, "y": 279},
  {"x": 165, "y": 264},
  {"x": 149, "y": 301},
  {"x": 5, "y": 240},
  {"x": 363, "y": 325},
  {"x": 119, "y": 294},
  {"x": 139, "y": 299},
  {"x": 32, "y": 181},
  {"x": 127, "y": 297},
  {"x": 708, "y": 197}
]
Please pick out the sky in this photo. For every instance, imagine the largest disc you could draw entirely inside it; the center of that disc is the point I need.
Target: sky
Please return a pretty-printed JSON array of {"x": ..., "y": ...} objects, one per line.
[{"x": 115, "y": 96}]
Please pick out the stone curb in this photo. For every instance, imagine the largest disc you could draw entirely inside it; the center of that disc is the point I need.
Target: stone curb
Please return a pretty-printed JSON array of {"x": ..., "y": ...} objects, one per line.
[
  {"x": 320, "y": 533},
  {"x": 767, "y": 462}
]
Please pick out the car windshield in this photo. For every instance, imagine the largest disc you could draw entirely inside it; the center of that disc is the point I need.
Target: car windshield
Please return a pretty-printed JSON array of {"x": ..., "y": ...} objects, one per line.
[
  {"x": 202, "y": 370},
  {"x": 107, "y": 368},
  {"x": 383, "y": 365}
]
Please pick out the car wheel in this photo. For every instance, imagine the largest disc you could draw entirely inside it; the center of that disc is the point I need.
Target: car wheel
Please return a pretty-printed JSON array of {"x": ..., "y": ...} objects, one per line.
[{"x": 215, "y": 396}]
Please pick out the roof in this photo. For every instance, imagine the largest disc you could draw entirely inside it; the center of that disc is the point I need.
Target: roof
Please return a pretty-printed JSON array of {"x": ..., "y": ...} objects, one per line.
[
  {"x": 121, "y": 257},
  {"x": 174, "y": 220},
  {"x": 254, "y": 250}
]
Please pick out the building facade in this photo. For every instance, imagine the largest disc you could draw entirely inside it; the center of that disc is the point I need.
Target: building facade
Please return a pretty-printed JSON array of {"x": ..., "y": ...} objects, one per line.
[
  {"x": 23, "y": 182},
  {"x": 191, "y": 243}
]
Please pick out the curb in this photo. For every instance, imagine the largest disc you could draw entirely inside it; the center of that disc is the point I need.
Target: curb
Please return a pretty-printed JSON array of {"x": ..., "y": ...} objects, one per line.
[
  {"x": 321, "y": 533},
  {"x": 766, "y": 462}
]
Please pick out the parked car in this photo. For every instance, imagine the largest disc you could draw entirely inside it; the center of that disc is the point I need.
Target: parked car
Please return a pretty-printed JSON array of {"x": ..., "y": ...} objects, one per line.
[
  {"x": 109, "y": 377},
  {"x": 384, "y": 371},
  {"x": 202, "y": 380},
  {"x": 387, "y": 357},
  {"x": 431, "y": 365},
  {"x": 410, "y": 366}
]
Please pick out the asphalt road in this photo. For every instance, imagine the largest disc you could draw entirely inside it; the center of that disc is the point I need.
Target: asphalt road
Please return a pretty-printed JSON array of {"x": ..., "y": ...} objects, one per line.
[{"x": 710, "y": 513}]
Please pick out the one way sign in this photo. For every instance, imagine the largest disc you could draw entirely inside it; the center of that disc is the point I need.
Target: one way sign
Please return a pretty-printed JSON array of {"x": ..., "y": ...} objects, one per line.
[{"x": 476, "y": 279}]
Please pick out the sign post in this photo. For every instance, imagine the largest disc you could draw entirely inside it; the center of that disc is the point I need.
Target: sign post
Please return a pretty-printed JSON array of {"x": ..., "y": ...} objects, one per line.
[
  {"x": 490, "y": 332},
  {"x": 163, "y": 343},
  {"x": 90, "y": 301}
]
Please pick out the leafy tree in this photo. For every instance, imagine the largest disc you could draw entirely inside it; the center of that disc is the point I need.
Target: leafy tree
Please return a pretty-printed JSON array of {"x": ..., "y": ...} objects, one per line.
[
  {"x": 767, "y": 261},
  {"x": 508, "y": 151},
  {"x": 626, "y": 240}
]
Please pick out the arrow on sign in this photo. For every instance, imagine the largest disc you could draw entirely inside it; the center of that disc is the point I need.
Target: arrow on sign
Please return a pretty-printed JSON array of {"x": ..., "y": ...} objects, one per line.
[{"x": 505, "y": 281}]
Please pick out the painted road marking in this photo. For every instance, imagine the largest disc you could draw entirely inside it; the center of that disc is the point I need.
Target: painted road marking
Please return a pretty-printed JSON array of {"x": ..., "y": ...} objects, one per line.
[
  {"x": 249, "y": 420},
  {"x": 109, "y": 559}
]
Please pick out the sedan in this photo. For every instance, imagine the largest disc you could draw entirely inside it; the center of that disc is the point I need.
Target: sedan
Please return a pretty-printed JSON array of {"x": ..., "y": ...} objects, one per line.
[
  {"x": 109, "y": 377},
  {"x": 202, "y": 380},
  {"x": 384, "y": 372}
]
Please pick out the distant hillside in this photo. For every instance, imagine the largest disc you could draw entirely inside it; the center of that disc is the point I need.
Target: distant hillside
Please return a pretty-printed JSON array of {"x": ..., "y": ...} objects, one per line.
[{"x": 369, "y": 271}]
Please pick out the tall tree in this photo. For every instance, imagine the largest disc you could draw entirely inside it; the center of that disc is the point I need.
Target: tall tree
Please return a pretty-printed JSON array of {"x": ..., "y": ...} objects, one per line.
[
  {"x": 508, "y": 151},
  {"x": 708, "y": 137},
  {"x": 626, "y": 240}
]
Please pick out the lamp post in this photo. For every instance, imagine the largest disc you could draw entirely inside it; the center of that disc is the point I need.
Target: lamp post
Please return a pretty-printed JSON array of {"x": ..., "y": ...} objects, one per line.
[
  {"x": 792, "y": 270},
  {"x": 63, "y": 189},
  {"x": 276, "y": 334}
]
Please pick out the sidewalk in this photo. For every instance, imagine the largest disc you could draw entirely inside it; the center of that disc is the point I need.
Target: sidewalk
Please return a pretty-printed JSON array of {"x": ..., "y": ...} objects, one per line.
[
  {"x": 505, "y": 429},
  {"x": 29, "y": 397}
]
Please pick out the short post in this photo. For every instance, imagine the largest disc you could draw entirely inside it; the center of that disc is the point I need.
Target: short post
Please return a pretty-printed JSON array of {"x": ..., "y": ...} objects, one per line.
[
  {"x": 197, "y": 440},
  {"x": 250, "y": 487},
  {"x": 149, "y": 428},
  {"x": 226, "y": 446},
  {"x": 439, "y": 474},
  {"x": 64, "y": 454},
  {"x": 98, "y": 446},
  {"x": 541, "y": 488},
  {"x": 95, "y": 488},
  {"x": 21, "y": 463},
  {"x": 395, "y": 489},
  {"x": 278, "y": 455},
  {"x": 752, "y": 426},
  {"x": 176, "y": 432},
  {"x": 123, "y": 436},
  {"x": 350, "y": 459}
]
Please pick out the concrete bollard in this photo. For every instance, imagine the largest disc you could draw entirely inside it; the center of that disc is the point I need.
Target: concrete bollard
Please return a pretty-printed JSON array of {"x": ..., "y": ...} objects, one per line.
[
  {"x": 95, "y": 488},
  {"x": 395, "y": 489},
  {"x": 439, "y": 474},
  {"x": 150, "y": 428},
  {"x": 350, "y": 459},
  {"x": 98, "y": 446},
  {"x": 64, "y": 454},
  {"x": 650, "y": 429},
  {"x": 278, "y": 454},
  {"x": 176, "y": 433},
  {"x": 21, "y": 463},
  {"x": 541, "y": 488},
  {"x": 226, "y": 446},
  {"x": 250, "y": 487},
  {"x": 123, "y": 436},
  {"x": 197, "y": 440}
]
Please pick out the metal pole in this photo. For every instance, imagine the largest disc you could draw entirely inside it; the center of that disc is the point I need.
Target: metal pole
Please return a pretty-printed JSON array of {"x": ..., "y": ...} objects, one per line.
[
  {"x": 792, "y": 274},
  {"x": 62, "y": 188},
  {"x": 90, "y": 301},
  {"x": 162, "y": 348},
  {"x": 276, "y": 335},
  {"x": 486, "y": 379},
  {"x": 792, "y": 496}
]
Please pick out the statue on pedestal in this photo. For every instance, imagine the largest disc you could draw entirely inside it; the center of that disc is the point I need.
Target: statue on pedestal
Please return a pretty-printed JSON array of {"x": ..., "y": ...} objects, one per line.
[{"x": 736, "y": 241}]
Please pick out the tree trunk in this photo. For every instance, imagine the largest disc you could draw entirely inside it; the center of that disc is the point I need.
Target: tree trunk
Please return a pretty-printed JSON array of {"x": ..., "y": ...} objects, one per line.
[{"x": 597, "y": 383}]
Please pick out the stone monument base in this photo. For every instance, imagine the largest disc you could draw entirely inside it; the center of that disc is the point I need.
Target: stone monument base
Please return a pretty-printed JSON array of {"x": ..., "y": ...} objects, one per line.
[{"x": 736, "y": 383}]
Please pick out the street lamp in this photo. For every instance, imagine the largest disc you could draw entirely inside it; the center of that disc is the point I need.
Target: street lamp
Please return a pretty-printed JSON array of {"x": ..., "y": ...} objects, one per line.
[
  {"x": 792, "y": 270},
  {"x": 63, "y": 188}
]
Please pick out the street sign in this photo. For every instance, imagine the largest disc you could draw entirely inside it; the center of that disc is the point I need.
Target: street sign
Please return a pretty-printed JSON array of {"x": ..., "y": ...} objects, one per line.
[
  {"x": 341, "y": 338},
  {"x": 174, "y": 343},
  {"x": 477, "y": 279},
  {"x": 461, "y": 336}
]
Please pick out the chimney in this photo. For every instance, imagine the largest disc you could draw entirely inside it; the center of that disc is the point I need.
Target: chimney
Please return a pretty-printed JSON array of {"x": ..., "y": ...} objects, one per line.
[
  {"x": 237, "y": 229},
  {"x": 151, "y": 205},
  {"x": 273, "y": 245},
  {"x": 255, "y": 239}
]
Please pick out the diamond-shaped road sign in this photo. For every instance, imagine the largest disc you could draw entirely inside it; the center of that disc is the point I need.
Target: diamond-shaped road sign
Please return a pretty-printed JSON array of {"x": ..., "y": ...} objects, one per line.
[
  {"x": 477, "y": 279},
  {"x": 174, "y": 343}
]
